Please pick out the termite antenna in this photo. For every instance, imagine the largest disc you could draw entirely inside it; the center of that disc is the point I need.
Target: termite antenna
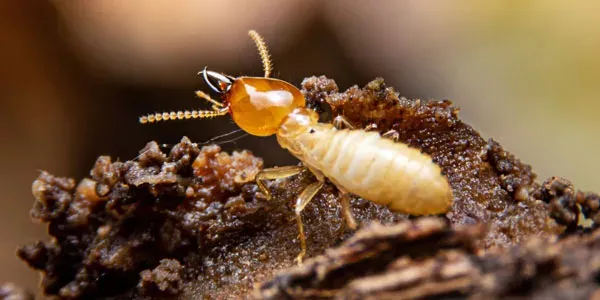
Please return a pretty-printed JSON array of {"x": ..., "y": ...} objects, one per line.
[
  {"x": 182, "y": 115},
  {"x": 263, "y": 51}
]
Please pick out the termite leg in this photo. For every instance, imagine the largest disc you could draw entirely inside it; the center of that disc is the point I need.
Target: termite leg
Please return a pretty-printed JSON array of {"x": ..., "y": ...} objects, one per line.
[
  {"x": 275, "y": 173},
  {"x": 392, "y": 134},
  {"x": 340, "y": 122},
  {"x": 206, "y": 97},
  {"x": 370, "y": 127},
  {"x": 304, "y": 198},
  {"x": 346, "y": 211}
]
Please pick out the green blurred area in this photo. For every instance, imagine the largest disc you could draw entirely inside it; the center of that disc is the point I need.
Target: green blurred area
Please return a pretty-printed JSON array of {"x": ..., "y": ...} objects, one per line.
[{"x": 536, "y": 65}]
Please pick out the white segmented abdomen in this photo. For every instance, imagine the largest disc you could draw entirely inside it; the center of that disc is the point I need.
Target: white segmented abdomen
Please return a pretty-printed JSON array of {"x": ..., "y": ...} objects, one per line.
[{"x": 376, "y": 169}]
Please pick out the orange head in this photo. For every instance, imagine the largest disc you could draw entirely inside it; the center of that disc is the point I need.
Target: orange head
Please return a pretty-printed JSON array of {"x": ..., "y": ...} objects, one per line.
[{"x": 258, "y": 105}]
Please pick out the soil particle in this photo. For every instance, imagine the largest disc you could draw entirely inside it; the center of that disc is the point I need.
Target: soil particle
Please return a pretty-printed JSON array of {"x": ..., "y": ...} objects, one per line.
[{"x": 165, "y": 278}]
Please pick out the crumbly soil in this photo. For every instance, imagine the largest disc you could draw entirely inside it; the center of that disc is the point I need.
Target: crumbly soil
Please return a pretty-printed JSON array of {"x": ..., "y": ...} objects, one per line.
[{"x": 190, "y": 223}]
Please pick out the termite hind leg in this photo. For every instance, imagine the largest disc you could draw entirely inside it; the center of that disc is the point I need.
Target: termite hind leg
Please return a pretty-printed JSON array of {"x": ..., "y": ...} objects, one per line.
[
  {"x": 304, "y": 198},
  {"x": 346, "y": 210},
  {"x": 275, "y": 173},
  {"x": 340, "y": 122}
]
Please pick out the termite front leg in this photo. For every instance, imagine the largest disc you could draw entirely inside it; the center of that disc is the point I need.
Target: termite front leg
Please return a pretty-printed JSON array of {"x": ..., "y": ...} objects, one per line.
[
  {"x": 304, "y": 198},
  {"x": 275, "y": 173},
  {"x": 340, "y": 122},
  {"x": 370, "y": 127}
]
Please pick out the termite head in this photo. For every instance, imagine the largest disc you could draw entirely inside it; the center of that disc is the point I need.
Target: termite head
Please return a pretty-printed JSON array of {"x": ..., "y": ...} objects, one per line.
[{"x": 258, "y": 105}]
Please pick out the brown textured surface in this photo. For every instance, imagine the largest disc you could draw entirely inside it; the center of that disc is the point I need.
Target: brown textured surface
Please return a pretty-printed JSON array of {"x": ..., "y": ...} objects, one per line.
[
  {"x": 426, "y": 258},
  {"x": 164, "y": 279},
  {"x": 197, "y": 208}
]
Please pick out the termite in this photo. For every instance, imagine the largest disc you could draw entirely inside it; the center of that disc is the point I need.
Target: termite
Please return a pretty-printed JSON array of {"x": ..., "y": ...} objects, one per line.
[{"x": 375, "y": 167}]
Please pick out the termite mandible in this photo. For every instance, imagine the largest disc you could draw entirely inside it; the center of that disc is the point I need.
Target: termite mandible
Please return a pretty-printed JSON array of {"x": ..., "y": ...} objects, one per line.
[{"x": 375, "y": 167}]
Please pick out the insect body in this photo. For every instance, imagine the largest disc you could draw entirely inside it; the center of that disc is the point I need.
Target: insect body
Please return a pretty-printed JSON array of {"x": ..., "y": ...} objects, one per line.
[
  {"x": 368, "y": 165},
  {"x": 358, "y": 162}
]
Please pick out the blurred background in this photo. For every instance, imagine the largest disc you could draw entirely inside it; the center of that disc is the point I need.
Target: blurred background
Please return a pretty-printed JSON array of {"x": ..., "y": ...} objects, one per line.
[{"x": 75, "y": 75}]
